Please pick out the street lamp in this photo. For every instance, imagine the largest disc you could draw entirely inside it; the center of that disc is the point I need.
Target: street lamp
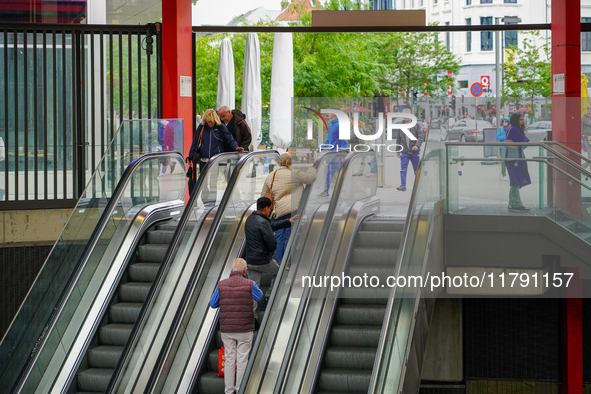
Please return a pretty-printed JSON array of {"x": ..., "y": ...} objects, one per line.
[{"x": 498, "y": 63}]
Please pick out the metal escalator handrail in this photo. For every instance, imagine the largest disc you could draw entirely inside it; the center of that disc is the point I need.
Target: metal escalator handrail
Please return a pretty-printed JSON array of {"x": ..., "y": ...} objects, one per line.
[
  {"x": 182, "y": 308},
  {"x": 166, "y": 262},
  {"x": 570, "y": 150},
  {"x": 90, "y": 245},
  {"x": 316, "y": 259},
  {"x": 397, "y": 265},
  {"x": 303, "y": 203}
]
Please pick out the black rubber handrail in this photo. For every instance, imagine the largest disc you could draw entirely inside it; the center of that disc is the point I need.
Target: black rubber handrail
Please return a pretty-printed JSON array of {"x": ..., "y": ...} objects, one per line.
[
  {"x": 183, "y": 305},
  {"x": 90, "y": 245},
  {"x": 166, "y": 262}
]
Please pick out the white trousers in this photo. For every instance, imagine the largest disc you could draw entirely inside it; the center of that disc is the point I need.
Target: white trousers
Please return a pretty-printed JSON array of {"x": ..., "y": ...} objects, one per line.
[{"x": 237, "y": 346}]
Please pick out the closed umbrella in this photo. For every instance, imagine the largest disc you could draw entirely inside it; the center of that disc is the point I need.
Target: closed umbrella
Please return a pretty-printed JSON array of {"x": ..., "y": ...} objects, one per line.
[
  {"x": 251, "y": 87},
  {"x": 282, "y": 90},
  {"x": 226, "y": 84}
]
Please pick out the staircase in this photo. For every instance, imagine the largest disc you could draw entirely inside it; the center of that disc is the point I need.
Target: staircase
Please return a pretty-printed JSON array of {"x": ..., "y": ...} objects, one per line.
[
  {"x": 353, "y": 341},
  {"x": 104, "y": 352}
]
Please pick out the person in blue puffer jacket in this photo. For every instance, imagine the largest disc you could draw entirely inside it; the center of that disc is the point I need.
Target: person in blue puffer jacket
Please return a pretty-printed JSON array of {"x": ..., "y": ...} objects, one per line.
[
  {"x": 209, "y": 139},
  {"x": 501, "y": 135}
]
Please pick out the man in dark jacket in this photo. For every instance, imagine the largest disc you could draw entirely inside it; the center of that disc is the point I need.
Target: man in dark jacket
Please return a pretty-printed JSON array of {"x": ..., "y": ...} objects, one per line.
[
  {"x": 234, "y": 298},
  {"x": 261, "y": 242},
  {"x": 410, "y": 150},
  {"x": 235, "y": 121}
]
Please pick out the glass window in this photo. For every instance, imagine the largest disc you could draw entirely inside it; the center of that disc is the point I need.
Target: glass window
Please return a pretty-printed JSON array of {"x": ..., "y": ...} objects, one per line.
[
  {"x": 447, "y": 38},
  {"x": 485, "y": 1},
  {"x": 468, "y": 36},
  {"x": 468, "y": 2},
  {"x": 510, "y": 1},
  {"x": 510, "y": 36},
  {"x": 486, "y": 37},
  {"x": 463, "y": 84},
  {"x": 586, "y": 37}
]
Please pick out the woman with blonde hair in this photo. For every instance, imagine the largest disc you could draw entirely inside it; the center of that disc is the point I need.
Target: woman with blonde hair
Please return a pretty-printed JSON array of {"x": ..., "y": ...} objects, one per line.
[
  {"x": 209, "y": 140},
  {"x": 287, "y": 187}
]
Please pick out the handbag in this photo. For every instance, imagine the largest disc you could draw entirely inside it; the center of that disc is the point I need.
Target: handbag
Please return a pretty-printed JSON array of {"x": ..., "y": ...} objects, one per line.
[
  {"x": 269, "y": 194},
  {"x": 221, "y": 361},
  {"x": 197, "y": 153},
  {"x": 191, "y": 175}
]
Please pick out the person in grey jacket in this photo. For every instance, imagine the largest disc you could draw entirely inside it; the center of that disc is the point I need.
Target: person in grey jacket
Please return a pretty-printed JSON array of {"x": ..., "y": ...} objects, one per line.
[
  {"x": 410, "y": 150},
  {"x": 261, "y": 242}
]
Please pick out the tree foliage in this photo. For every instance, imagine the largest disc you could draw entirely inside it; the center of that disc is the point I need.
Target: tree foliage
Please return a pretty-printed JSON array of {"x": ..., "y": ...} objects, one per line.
[{"x": 528, "y": 70}]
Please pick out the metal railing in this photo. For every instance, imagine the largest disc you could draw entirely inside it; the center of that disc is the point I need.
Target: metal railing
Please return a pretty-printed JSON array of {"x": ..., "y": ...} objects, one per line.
[{"x": 67, "y": 88}]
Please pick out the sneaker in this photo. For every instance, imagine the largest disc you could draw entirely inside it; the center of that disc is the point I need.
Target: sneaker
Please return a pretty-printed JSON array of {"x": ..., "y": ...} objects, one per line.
[
  {"x": 323, "y": 194},
  {"x": 358, "y": 173},
  {"x": 505, "y": 178},
  {"x": 520, "y": 209},
  {"x": 401, "y": 188},
  {"x": 371, "y": 175}
]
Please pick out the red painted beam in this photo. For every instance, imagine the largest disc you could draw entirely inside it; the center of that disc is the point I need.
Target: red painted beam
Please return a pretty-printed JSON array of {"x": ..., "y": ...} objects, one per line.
[{"x": 572, "y": 337}]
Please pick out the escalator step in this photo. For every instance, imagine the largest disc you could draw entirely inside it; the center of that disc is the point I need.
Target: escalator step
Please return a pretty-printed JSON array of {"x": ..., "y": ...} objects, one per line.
[
  {"x": 350, "y": 357},
  {"x": 104, "y": 356},
  {"x": 160, "y": 236},
  {"x": 151, "y": 253},
  {"x": 359, "y": 335},
  {"x": 360, "y": 314},
  {"x": 374, "y": 301},
  {"x": 94, "y": 380},
  {"x": 345, "y": 380},
  {"x": 171, "y": 226},
  {"x": 125, "y": 312},
  {"x": 143, "y": 272},
  {"x": 385, "y": 225},
  {"x": 381, "y": 271},
  {"x": 379, "y": 256},
  {"x": 115, "y": 334},
  {"x": 134, "y": 291},
  {"x": 376, "y": 239},
  {"x": 212, "y": 360},
  {"x": 211, "y": 383}
]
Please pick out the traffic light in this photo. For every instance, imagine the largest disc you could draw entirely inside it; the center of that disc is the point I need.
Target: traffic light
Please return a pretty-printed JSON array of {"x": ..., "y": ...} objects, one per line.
[
  {"x": 415, "y": 96},
  {"x": 453, "y": 102}
]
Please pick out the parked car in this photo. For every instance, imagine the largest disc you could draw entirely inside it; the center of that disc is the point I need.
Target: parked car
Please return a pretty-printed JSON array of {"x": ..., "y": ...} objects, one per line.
[
  {"x": 468, "y": 130},
  {"x": 538, "y": 131}
]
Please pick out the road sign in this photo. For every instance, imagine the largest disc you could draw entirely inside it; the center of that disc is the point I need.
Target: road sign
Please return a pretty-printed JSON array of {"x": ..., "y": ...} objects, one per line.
[
  {"x": 485, "y": 81},
  {"x": 476, "y": 89}
]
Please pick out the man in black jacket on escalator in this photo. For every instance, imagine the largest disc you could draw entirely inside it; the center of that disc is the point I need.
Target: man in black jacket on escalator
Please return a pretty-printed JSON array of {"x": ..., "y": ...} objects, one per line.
[{"x": 261, "y": 243}]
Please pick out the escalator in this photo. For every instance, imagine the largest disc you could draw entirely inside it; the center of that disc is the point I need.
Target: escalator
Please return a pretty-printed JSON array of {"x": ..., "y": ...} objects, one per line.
[
  {"x": 352, "y": 339},
  {"x": 105, "y": 349},
  {"x": 187, "y": 361}
]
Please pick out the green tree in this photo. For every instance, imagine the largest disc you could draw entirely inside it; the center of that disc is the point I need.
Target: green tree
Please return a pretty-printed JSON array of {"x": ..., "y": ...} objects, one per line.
[{"x": 527, "y": 70}]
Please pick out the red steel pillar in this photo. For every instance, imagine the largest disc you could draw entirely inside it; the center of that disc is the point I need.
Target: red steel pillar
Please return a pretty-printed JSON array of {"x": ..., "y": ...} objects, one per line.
[
  {"x": 176, "y": 63},
  {"x": 566, "y": 93},
  {"x": 566, "y": 128}
]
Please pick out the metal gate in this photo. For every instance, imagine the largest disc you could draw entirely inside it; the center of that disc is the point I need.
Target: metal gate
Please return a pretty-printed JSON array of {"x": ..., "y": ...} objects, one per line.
[{"x": 66, "y": 90}]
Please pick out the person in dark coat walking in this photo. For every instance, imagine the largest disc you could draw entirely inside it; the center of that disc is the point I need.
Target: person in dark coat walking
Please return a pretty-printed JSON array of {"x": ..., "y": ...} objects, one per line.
[
  {"x": 410, "y": 150},
  {"x": 210, "y": 137},
  {"x": 234, "y": 298},
  {"x": 261, "y": 242},
  {"x": 235, "y": 121},
  {"x": 518, "y": 173}
]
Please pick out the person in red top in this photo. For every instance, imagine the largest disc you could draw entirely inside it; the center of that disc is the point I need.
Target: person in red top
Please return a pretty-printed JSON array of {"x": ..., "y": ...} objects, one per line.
[{"x": 234, "y": 298}]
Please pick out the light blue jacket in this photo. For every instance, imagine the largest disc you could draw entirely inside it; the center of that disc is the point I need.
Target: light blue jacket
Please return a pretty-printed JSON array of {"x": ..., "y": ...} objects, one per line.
[{"x": 502, "y": 133}]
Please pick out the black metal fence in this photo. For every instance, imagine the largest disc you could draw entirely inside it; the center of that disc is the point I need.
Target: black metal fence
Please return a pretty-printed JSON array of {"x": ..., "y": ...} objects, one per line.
[{"x": 66, "y": 90}]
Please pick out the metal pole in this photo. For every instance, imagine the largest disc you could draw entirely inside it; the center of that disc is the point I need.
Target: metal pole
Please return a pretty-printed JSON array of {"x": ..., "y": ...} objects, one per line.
[{"x": 498, "y": 73}]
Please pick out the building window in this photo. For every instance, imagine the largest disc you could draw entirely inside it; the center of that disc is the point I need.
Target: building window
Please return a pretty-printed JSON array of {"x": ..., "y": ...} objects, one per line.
[
  {"x": 586, "y": 37},
  {"x": 468, "y": 36},
  {"x": 510, "y": 36},
  {"x": 486, "y": 37},
  {"x": 422, "y": 3},
  {"x": 510, "y": 1},
  {"x": 485, "y": 1},
  {"x": 447, "y": 38},
  {"x": 468, "y": 2},
  {"x": 463, "y": 84}
]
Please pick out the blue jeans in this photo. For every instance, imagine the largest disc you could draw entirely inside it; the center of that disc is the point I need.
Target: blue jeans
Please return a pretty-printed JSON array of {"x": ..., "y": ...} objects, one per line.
[
  {"x": 404, "y": 158},
  {"x": 514, "y": 197},
  {"x": 373, "y": 166},
  {"x": 282, "y": 237},
  {"x": 332, "y": 167}
]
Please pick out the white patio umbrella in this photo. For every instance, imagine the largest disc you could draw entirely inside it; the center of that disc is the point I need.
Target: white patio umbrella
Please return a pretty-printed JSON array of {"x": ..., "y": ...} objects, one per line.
[
  {"x": 282, "y": 90},
  {"x": 251, "y": 87},
  {"x": 226, "y": 84}
]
